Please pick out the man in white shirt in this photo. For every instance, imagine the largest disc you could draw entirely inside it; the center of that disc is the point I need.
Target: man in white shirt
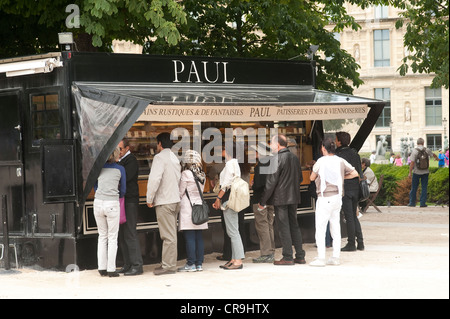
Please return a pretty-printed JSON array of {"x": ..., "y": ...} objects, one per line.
[{"x": 162, "y": 193}]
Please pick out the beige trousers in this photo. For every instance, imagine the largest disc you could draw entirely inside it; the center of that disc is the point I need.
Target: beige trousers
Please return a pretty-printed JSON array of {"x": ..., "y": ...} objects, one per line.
[
  {"x": 167, "y": 223},
  {"x": 264, "y": 227}
]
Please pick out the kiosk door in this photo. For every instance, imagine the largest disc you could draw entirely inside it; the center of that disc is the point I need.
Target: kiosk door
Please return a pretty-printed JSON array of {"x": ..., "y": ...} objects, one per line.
[{"x": 11, "y": 165}]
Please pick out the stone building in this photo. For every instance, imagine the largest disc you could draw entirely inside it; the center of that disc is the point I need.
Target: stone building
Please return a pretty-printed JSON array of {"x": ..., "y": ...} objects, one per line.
[{"x": 414, "y": 109}]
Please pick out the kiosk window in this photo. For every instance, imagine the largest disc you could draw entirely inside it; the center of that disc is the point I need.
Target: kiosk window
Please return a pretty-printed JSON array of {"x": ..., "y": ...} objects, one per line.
[
  {"x": 45, "y": 119},
  {"x": 142, "y": 137}
]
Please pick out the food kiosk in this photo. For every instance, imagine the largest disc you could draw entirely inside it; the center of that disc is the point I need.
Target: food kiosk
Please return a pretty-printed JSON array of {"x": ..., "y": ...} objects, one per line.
[{"x": 63, "y": 113}]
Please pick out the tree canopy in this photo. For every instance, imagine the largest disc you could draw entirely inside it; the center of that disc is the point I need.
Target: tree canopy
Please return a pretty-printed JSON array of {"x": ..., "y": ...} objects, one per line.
[
  {"x": 426, "y": 38},
  {"x": 275, "y": 29}
]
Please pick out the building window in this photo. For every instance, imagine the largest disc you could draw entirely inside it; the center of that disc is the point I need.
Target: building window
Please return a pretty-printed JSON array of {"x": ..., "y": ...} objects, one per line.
[
  {"x": 433, "y": 107},
  {"x": 45, "y": 119},
  {"x": 381, "y": 45},
  {"x": 385, "y": 117},
  {"x": 381, "y": 12},
  {"x": 434, "y": 141}
]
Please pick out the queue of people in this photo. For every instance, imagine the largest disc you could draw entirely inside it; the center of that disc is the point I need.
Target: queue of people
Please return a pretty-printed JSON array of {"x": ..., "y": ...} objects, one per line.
[{"x": 277, "y": 194}]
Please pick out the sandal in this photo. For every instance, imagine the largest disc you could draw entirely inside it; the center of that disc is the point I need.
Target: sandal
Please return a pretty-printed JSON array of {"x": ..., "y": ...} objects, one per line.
[
  {"x": 226, "y": 265},
  {"x": 233, "y": 266}
]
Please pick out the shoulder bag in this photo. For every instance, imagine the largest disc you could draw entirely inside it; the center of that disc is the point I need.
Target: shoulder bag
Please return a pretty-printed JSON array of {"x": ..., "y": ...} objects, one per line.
[
  {"x": 364, "y": 191},
  {"x": 200, "y": 212}
]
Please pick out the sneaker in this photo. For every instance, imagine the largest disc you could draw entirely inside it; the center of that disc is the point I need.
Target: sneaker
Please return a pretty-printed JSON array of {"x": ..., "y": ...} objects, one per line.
[
  {"x": 264, "y": 259},
  {"x": 334, "y": 261},
  {"x": 199, "y": 268},
  {"x": 187, "y": 268},
  {"x": 317, "y": 262}
]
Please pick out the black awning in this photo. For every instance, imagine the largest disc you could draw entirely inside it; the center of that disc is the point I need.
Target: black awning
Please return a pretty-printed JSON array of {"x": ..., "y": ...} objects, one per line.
[{"x": 217, "y": 94}]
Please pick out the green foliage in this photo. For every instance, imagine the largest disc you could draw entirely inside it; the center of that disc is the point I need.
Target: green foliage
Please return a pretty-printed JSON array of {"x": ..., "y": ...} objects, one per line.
[
  {"x": 438, "y": 185},
  {"x": 394, "y": 178},
  {"x": 269, "y": 29},
  {"x": 426, "y": 37},
  {"x": 29, "y": 27}
]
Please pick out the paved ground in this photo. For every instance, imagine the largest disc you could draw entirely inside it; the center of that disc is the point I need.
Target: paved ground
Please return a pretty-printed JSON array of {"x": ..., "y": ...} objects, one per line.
[{"x": 406, "y": 256}]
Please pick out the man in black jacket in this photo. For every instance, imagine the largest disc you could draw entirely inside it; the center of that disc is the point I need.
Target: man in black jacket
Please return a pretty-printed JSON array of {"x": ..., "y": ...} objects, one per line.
[
  {"x": 351, "y": 193},
  {"x": 283, "y": 192},
  {"x": 128, "y": 240}
]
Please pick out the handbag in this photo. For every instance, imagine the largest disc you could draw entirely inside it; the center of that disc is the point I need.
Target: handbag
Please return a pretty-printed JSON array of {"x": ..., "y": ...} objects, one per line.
[
  {"x": 200, "y": 212},
  {"x": 123, "y": 218},
  {"x": 364, "y": 191}
]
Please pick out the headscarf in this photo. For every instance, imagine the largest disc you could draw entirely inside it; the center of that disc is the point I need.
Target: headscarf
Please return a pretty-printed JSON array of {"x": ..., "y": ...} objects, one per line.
[{"x": 193, "y": 161}]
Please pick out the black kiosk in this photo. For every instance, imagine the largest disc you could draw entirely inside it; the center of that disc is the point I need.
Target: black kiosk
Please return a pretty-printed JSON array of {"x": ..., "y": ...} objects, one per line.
[{"x": 62, "y": 114}]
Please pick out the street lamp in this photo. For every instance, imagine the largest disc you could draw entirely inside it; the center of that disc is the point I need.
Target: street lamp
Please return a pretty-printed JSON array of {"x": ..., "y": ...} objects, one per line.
[
  {"x": 444, "y": 124},
  {"x": 65, "y": 39},
  {"x": 392, "y": 140}
]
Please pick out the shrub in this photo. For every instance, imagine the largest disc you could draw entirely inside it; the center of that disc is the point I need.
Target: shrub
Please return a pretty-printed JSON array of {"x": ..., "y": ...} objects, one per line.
[
  {"x": 397, "y": 185},
  {"x": 438, "y": 186}
]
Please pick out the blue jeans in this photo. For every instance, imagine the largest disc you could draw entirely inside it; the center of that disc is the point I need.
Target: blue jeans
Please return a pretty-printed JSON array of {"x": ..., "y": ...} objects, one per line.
[
  {"x": 194, "y": 247},
  {"x": 423, "y": 178}
]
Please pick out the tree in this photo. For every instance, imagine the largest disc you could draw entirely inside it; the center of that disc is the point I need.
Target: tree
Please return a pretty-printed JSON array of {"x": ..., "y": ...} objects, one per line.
[
  {"x": 29, "y": 27},
  {"x": 426, "y": 38},
  {"x": 275, "y": 29}
]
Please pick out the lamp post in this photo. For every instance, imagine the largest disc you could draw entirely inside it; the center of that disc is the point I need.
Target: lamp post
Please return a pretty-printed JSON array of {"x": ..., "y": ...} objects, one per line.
[
  {"x": 392, "y": 140},
  {"x": 445, "y": 142}
]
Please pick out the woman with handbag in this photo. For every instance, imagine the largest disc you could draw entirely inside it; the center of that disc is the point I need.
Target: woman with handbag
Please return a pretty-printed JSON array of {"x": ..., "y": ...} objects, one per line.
[
  {"x": 231, "y": 217},
  {"x": 191, "y": 193}
]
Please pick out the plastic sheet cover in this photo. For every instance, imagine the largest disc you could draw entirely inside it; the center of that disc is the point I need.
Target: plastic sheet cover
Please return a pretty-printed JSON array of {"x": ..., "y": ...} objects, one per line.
[{"x": 97, "y": 123}]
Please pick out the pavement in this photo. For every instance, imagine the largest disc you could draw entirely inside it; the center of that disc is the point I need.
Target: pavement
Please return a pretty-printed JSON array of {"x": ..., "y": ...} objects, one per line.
[{"x": 406, "y": 256}]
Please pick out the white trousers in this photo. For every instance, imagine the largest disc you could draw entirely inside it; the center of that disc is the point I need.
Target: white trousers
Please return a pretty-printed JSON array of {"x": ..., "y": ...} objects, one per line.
[
  {"x": 328, "y": 210},
  {"x": 107, "y": 217}
]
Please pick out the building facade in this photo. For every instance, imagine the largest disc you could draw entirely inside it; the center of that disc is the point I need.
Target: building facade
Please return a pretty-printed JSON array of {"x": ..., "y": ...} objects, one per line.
[{"x": 414, "y": 109}]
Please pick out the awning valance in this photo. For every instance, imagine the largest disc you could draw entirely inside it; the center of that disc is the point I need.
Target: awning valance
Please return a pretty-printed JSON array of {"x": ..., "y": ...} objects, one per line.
[{"x": 212, "y": 103}]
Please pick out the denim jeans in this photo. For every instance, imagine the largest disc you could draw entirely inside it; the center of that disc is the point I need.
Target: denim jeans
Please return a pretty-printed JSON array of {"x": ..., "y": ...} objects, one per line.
[
  {"x": 232, "y": 225},
  {"x": 194, "y": 247},
  {"x": 289, "y": 231},
  {"x": 423, "y": 178}
]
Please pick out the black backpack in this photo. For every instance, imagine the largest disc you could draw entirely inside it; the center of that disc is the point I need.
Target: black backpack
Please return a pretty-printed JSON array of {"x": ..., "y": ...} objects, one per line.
[{"x": 422, "y": 160}]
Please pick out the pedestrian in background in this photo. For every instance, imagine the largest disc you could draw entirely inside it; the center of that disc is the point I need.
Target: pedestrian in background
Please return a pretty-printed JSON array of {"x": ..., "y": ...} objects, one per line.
[
  {"x": 419, "y": 173},
  {"x": 128, "y": 237},
  {"x": 110, "y": 186},
  {"x": 189, "y": 194},
  {"x": 351, "y": 193},
  {"x": 369, "y": 175},
  {"x": 329, "y": 173},
  {"x": 441, "y": 158},
  {"x": 282, "y": 190},
  {"x": 162, "y": 193}
]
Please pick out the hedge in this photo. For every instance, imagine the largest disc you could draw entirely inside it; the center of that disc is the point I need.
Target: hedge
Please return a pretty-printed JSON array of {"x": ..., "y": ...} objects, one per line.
[{"x": 396, "y": 185}]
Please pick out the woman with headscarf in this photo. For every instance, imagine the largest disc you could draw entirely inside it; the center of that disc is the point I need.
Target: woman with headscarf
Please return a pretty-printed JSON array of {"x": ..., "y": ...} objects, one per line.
[{"x": 191, "y": 171}]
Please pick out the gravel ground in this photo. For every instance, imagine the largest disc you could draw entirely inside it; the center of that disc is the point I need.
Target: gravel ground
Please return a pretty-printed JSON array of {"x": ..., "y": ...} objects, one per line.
[{"x": 406, "y": 257}]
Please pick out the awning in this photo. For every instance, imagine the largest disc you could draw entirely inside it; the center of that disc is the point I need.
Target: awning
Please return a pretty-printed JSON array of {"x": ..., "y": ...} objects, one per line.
[{"x": 219, "y": 103}]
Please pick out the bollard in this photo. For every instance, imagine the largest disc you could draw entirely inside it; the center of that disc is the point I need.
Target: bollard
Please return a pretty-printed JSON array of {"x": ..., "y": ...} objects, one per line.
[{"x": 5, "y": 233}]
